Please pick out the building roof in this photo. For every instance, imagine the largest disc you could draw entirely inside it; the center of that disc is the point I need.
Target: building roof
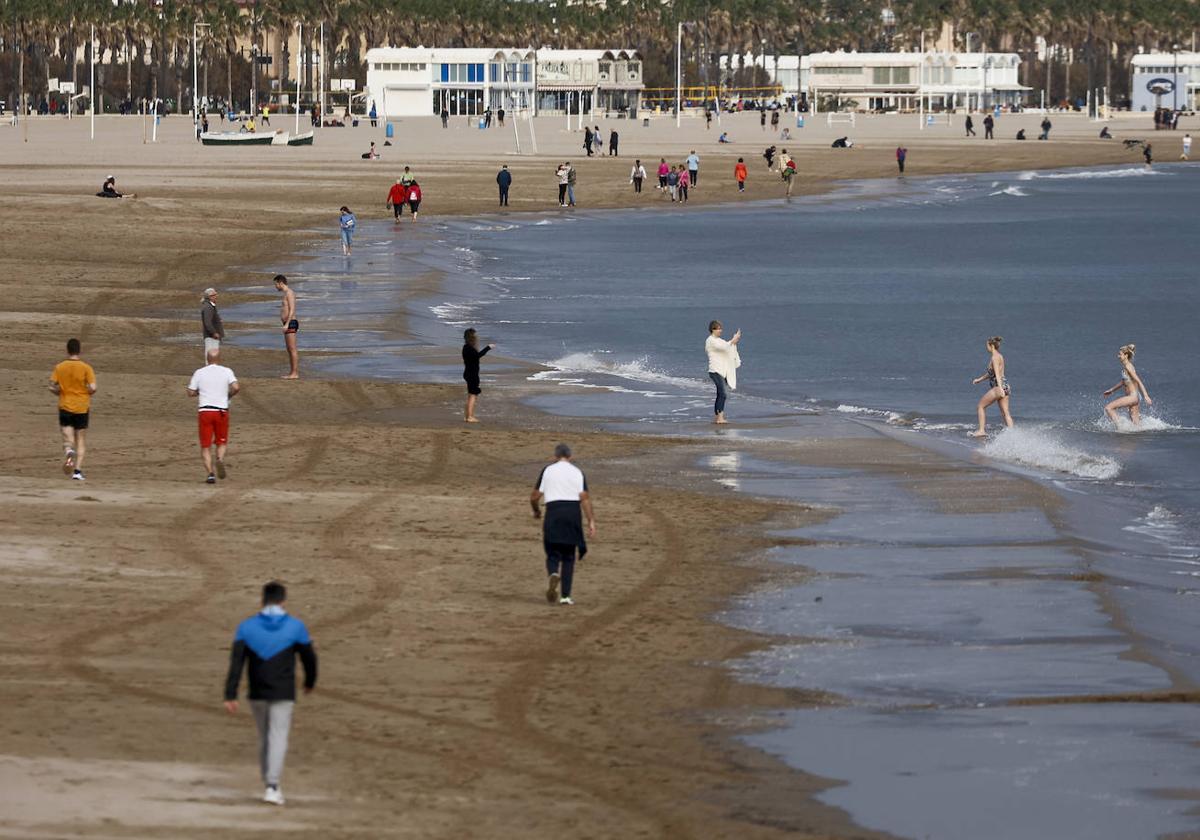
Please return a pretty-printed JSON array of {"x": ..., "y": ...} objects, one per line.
[
  {"x": 1165, "y": 59},
  {"x": 451, "y": 54},
  {"x": 587, "y": 55}
]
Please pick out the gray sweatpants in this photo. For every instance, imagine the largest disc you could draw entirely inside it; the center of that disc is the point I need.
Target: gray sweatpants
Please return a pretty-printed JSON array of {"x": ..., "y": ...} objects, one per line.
[{"x": 274, "y": 719}]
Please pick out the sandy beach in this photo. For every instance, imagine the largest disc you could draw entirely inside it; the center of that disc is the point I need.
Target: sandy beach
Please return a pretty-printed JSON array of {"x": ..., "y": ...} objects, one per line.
[{"x": 452, "y": 702}]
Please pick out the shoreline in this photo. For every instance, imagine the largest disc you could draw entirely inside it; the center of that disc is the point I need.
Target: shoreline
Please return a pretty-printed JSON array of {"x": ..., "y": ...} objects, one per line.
[{"x": 744, "y": 783}]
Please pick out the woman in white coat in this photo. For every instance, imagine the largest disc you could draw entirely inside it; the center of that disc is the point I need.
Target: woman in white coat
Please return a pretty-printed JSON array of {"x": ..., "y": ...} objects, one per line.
[{"x": 723, "y": 362}]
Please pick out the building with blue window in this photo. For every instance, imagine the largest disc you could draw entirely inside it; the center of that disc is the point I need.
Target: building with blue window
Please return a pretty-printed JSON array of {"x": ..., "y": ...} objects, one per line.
[{"x": 419, "y": 81}]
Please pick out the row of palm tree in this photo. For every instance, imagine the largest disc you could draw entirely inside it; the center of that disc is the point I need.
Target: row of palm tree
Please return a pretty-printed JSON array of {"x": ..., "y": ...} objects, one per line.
[{"x": 145, "y": 45}]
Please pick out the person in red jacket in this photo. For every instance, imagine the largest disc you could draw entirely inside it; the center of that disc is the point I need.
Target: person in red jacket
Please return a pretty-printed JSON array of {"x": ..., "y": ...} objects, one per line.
[
  {"x": 414, "y": 198},
  {"x": 396, "y": 198},
  {"x": 739, "y": 172}
]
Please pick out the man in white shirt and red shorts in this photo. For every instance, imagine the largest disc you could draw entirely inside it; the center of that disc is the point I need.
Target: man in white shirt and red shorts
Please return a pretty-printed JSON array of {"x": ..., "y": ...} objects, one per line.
[{"x": 214, "y": 384}]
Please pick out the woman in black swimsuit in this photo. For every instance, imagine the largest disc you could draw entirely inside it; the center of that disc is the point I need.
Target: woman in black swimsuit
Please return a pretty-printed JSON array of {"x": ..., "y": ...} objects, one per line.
[
  {"x": 471, "y": 355},
  {"x": 998, "y": 389}
]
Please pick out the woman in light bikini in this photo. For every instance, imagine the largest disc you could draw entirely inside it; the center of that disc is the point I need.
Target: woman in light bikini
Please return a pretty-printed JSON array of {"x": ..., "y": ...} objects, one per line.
[
  {"x": 998, "y": 389},
  {"x": 1135, "y": 389}
]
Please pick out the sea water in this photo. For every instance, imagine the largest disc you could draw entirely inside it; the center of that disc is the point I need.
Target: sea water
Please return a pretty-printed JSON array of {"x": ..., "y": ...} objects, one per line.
[{"x": 871, "y": 305}]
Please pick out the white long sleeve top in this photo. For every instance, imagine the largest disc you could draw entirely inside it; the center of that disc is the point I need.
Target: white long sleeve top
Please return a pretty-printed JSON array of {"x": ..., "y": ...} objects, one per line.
[{"x": 723, "y": 359}]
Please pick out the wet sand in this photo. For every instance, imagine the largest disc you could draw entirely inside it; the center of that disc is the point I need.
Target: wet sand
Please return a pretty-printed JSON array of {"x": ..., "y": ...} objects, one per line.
[{"x": 453, "y": 701}]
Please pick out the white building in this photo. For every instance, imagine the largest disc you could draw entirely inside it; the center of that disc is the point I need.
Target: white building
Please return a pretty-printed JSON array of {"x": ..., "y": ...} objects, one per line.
[
  {"x": 603, "y": 80},
  {"x": 895, "y": 81},
  {"x": 1165, "y": 80},
  {"x": 418, "y": 81}
]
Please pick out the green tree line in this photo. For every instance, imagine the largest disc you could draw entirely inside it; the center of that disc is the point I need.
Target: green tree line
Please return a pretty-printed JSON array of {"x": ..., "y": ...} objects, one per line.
[{"x": 148, "y": 43}]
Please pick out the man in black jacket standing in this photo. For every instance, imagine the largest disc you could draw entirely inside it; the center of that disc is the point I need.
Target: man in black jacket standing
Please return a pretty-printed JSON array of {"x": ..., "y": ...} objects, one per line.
[
  {"x": 504, "y": 180},
  {"x": 267, "y": 644}
]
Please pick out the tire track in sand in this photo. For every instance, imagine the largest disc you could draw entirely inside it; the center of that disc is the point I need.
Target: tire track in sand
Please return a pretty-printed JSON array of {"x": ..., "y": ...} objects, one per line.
[
  {"x": 215, "y": 579},
  {"x": 514, "y": 700}
]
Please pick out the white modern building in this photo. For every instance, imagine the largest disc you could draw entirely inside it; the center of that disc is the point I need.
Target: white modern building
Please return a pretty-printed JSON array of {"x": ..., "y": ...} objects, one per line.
[
  {"x": 895, "y": 81},
  {"x": 419, "y": 81},
  {"x": 1165, "y": 80}
]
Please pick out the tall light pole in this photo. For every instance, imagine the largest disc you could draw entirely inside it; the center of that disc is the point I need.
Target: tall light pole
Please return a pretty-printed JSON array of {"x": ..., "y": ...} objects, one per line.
[
  {"x": 299, "y": 53},
  {"x": 196, "y": 25},
  {"x": 92, "y": 89},
  {"x": 678, "y": 72},
  {"x": 1175, "y": 78}
]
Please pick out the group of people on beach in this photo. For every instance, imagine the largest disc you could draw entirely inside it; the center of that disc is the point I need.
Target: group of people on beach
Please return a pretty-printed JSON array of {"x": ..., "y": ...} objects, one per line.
[{"x": 724, "y": 360}]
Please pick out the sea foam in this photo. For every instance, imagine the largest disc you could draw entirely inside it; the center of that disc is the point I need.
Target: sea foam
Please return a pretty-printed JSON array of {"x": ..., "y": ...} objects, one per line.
[
  {"x": 574, "y": 365},
  {"x": 1039, "y": 448}
]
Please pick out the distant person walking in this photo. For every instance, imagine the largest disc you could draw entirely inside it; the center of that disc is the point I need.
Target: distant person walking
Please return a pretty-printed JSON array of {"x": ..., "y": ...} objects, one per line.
[
  {"x": 613, "y": 141},
  {"x": 374, "y": 115},
  {"x": 637, "y": 175},
  {"x": 74, "y": 382},
  {"x": 1046, "y": 126},
  {"x": 740, "y": 174},
  {"x": 213, "y": 384},
  {"x": 775, "y": 120},
  {"x": 663, "y": 172},
  {"x": 562, "y": 174},
  {"x": 998, "y": 390},
  {"x": 397, "y": 195},
  {"x": 684, "y": 183},
  {"x": 989, "y": 123},
  {"x": 563, "y": 487},
  {"x": 266, "y": 646},
  {"x": 291, "y": 325},
  {"x": 693, "y": 167},
  {"x": 673, "y": 183},
  {"x": 1148, "y": 154},
  {"x": 1187, "y": 147},
  {"x": 970, "y": 124},
  {"x": 210, "y": 321},
  {"x": 445, "y": 115},
  {"x": 414, "y": 199},
  {"x": 407, "y": 178},
  {"x": 787, "y": 170},
  {"x": 901, "y": 156},
  {"x": 346, "y": 223},
  {"x": 1133, "y": 386},
  {"x": 587, "y": 140},
  {"x": 504, "y": 181},
  {"x": 762, "y": 118},
  {"x": 500, "y": 117},
  {"x": 571, "y": 179},
  {"x": 723, "y": 362},
  {"x": 471, "y": 354}
]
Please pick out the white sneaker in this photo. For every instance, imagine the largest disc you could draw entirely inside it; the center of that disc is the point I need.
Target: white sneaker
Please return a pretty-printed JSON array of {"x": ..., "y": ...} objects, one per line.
[
  {"x": 77, "y": 476},
  {"x": 552, "y": 589},
  {"x": 566, "y": 602},
  {"x": 273, "y": 796}
]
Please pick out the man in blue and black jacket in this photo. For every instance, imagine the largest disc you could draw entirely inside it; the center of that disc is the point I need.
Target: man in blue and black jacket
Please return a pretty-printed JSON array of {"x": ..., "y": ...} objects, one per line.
[{"x": 270, "y": 642}]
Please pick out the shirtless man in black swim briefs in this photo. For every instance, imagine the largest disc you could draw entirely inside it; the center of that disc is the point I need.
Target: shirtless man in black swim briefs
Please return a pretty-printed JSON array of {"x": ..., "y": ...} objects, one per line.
[{"x": 287, "y": 317}]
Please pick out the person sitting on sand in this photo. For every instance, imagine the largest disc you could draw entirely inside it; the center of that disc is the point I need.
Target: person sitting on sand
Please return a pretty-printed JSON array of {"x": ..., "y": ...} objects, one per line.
[
  {"x": 724, "y": 138},
  {"x": 109, "y": 190},
  {"x": 371, "y": 153},
  {"x": 1132, "y": 383},
  {"x": 786, "y": 134},
  {"x": 1105, "y": 134},
  {"x": 842, "y": 143},
  {"x": 998, "y": 390},
  {"x": 1021, "y": 134}
]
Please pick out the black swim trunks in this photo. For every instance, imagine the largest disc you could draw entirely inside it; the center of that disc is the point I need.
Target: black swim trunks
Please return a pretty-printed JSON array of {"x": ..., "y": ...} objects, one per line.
[
  {"x": 68, "y": 420},
  {"x": 473, "y": 385},
  {"x": 293, "y": 326}
]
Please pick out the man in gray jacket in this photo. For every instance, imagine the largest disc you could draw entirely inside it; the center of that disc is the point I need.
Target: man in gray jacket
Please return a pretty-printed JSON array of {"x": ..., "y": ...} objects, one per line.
[{"x": 214, "y": 330}]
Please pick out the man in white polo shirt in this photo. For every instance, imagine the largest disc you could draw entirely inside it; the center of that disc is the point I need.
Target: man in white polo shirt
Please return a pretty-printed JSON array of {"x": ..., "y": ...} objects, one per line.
[
  {"x": 214, "y": 384},
  {"x": 564, "y": 488}
]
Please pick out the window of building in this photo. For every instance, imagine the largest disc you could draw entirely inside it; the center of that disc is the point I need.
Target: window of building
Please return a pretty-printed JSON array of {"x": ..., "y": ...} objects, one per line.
[
  {"x": 881, "y": 75},
  {"x": 838, "y": 71},
  {"x": 901, "y": 75}
]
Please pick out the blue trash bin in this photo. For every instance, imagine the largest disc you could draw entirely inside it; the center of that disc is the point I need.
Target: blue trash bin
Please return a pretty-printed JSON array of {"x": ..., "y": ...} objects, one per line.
[
  {"x": 388, "y": 131},
  {"x": 482, "y": 124},
  {"x": 800, "y": 121}
]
